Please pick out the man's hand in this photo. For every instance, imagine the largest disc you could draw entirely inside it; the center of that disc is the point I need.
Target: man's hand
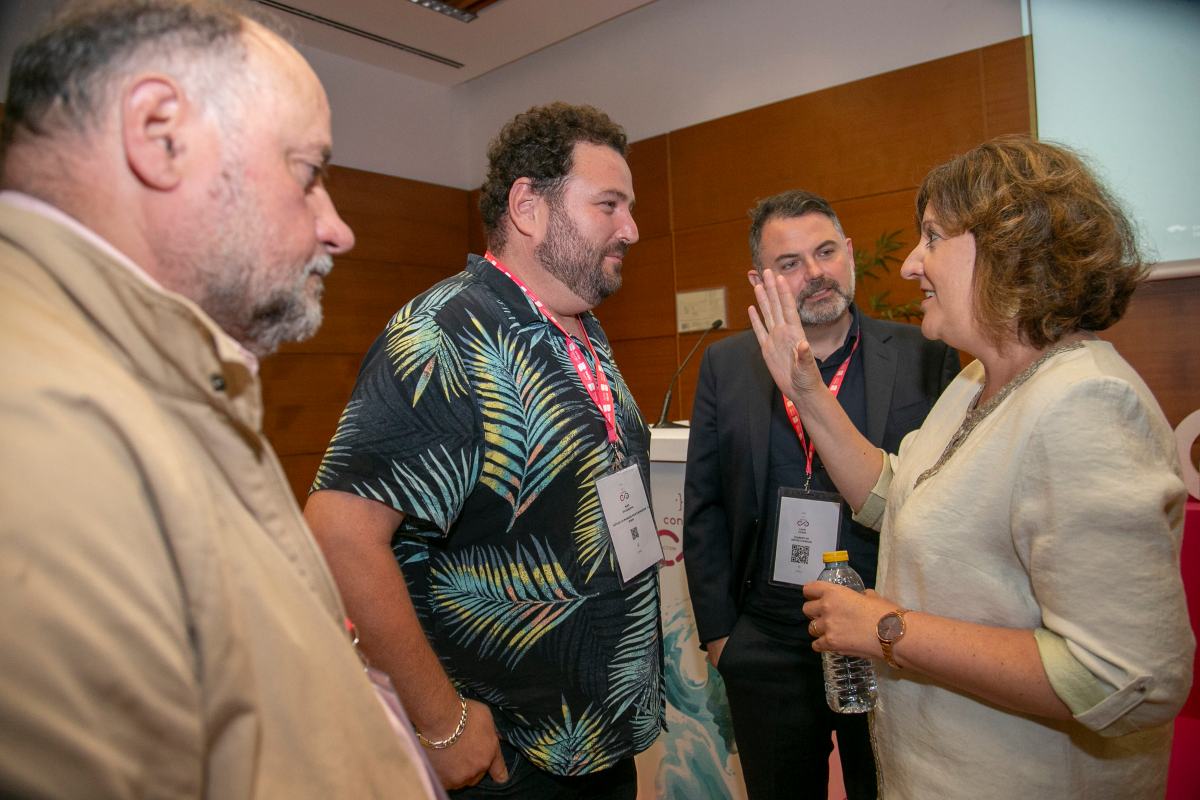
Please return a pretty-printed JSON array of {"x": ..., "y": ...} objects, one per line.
[
  {"x": 714, "y": 650},
  {"x": 475, "y": 754},
  {"x": 356, "y": 534}
]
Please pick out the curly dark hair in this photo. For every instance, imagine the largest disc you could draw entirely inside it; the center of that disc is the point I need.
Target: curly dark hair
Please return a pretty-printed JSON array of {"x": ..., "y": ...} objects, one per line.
[
  {"x": 786, "y": 205},
  {"x": 538, "y": 144},
  {"x": 1055, "y": 252}
]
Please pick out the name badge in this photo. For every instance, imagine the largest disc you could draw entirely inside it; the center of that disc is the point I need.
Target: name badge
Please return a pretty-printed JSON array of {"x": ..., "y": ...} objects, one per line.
[
  {"x": 630, "y": 521},
  {"x": 807, "y": 527}
]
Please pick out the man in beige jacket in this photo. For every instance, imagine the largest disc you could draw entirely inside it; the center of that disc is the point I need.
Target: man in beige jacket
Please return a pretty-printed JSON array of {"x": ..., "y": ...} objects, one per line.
[{"x": 170, "y": 628}]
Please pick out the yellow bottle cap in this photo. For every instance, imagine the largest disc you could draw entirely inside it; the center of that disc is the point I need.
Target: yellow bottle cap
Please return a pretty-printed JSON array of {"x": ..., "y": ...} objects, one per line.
[{"x": 836, "y": 555}]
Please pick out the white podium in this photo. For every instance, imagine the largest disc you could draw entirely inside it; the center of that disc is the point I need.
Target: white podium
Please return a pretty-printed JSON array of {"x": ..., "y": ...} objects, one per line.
[{"x": 695, "y": 758}]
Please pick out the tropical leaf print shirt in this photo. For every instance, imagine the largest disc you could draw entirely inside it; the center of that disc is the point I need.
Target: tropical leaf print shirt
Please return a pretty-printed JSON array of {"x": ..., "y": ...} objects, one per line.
[{"x": 469, "y": 418}]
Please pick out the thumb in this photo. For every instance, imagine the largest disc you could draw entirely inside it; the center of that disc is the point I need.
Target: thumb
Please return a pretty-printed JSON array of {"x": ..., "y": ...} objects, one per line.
[{"x": 498, "y": 770}]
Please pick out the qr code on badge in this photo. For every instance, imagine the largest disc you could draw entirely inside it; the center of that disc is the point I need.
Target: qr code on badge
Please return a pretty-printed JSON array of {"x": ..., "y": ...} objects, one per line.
[
  {"x": 633, "y": 532},
  {"x": 799, "y": 554}
]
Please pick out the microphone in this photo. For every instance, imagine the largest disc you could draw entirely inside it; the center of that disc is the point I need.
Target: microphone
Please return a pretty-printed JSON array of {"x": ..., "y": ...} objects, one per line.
[{"x": 662, "y": 418}]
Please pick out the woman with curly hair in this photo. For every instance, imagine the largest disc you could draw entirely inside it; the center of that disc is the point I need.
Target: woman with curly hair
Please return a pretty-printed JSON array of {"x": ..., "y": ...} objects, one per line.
[{"x": 1030, "y": 624}]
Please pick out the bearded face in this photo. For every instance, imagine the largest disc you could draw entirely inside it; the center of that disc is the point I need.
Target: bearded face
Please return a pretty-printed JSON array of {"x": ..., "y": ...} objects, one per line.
[
  {"x": 592, "y": 270},
  {"x": 259, "y": 295},
  {"x": 829, "y": 307}
]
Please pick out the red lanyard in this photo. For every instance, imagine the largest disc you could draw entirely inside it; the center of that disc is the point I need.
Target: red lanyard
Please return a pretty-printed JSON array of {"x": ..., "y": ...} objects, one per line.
[
  {"x": 835, "y": 386},
  {"x": 597, "y": 386}
]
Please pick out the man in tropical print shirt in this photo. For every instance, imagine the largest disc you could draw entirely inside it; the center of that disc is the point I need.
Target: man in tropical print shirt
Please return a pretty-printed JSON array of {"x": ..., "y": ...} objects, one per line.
[{"x": 468, "y": 455}]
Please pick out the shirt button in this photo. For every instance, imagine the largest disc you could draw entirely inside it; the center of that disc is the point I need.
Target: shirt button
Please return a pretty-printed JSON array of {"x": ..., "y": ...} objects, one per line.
[{"x": 218, "y": 382}]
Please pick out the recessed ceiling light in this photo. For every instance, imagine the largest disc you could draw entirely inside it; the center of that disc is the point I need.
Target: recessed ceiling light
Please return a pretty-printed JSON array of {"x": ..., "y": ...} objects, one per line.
[
  {"x": 353, "y": 31},
  {"x": 462, "y": 15}
]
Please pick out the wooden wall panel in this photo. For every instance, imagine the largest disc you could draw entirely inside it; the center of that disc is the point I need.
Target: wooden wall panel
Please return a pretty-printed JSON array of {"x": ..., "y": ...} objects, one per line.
[
  {"x": 644, "y": 306},
  {"x": 409, "y": 236},
  {"x": 897, "y": 126},
  {"x": 649, "y": 161},
  {"x": 691, "y": 373},
  {"x": 864, "y": 219},
  {"x": 864, "y": 145},
  {"x": 719, "y": 168},
  {"x": 398, "y": 220},
  {"x": 356, "y": 190},
  {"x": 1158, "y": 337},
  {"x": 646, "y": 365},
  {"x": 306, "y": 394},
  {"x": 385, "y": 237},
  {"x": 717, "y": 255},
  {"x": 867, "y": 137},
  {"x": 300, "y": 471},
  {"x": 360, "y": 297},
  {"x": 1008, "y": 105},
  {"x": 476, "y": 236}
]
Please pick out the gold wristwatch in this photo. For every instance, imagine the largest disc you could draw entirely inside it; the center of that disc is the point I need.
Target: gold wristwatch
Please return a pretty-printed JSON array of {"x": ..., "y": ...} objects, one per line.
[{"x": 890, "y": 629}]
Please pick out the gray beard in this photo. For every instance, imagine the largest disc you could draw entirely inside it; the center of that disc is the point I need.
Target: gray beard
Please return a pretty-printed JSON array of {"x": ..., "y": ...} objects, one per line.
[
  {"x": 262, "y": 324},
  {"x": 229, "y": 282},
  {"x": 829, "y": 310}
]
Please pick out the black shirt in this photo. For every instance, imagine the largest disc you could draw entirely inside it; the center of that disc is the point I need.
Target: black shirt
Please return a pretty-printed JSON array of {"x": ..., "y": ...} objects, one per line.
[{"x": 469, "y": 418}]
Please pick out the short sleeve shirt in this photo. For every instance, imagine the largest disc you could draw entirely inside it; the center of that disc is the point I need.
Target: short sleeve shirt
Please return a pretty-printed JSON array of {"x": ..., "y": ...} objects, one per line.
[{"x": 469, "y": 418}]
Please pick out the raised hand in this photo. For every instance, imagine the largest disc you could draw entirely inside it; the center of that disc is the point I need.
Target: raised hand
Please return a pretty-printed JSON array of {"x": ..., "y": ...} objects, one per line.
[{"x": 780, "y": 333}]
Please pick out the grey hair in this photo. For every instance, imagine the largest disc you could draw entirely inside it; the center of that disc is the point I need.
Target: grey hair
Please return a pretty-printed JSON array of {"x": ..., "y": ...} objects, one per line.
[
  {"x": 65, "y": 76},
  {"x": 786, "y": 205}
]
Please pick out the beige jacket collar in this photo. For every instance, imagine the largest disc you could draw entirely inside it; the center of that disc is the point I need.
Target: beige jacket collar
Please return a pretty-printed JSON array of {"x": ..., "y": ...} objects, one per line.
[{"x": 164, "y": 338}]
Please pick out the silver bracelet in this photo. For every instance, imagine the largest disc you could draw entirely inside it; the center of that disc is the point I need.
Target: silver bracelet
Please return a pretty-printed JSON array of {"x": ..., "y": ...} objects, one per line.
[{"x": 442, "y": 744}]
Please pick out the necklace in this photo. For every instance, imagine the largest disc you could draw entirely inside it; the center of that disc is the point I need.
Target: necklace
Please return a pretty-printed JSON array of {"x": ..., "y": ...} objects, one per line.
[{"x": 976, "y": 415}]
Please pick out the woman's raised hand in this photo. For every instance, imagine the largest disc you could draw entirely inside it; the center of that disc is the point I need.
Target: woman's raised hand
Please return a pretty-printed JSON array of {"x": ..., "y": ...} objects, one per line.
[{"x": 780, "y": 333}]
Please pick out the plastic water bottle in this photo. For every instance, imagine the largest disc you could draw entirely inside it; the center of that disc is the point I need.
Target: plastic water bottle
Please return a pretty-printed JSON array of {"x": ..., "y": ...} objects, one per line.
[{"x": 849, "y": 681}]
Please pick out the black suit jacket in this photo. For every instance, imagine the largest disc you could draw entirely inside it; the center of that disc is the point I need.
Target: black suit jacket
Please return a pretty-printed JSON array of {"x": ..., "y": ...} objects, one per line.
[{"x": 725, "y": 486}]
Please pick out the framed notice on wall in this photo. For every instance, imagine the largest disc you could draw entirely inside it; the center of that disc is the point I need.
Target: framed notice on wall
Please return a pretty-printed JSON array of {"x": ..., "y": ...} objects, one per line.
[{"x": 697, "y": 310}]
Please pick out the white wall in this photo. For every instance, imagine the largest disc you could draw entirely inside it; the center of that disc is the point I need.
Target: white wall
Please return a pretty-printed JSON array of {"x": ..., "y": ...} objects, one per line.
[
  {"x": 391, "y": 123},
  {"x": 1121, "y": 83},
  {"x": 675, "y": 63},
  {"x": 664, "y": 66}
]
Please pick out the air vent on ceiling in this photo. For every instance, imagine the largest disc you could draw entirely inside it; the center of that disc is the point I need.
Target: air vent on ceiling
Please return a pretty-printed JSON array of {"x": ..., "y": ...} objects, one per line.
[
  {"x": 461, "y": 10},
  {"x": 353, "y": 31},
  {"x": 447, "y": 9}
]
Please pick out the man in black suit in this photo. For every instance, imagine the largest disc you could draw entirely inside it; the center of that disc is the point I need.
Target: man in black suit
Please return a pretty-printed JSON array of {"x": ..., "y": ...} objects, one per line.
[{"x": 744, "y": 448}]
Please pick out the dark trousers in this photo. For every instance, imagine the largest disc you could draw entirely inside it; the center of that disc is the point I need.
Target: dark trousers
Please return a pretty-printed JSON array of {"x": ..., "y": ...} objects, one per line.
[
  {"x": 618, "y": 782},
  {"x": 782, "y": 723}
]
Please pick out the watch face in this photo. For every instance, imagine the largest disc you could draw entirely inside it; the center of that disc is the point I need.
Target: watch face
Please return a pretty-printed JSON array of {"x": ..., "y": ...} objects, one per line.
[{"x": 890, "y": 627}]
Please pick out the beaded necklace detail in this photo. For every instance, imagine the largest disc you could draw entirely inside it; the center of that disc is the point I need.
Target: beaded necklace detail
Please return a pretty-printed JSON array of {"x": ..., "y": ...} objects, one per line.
[{"x": 976, "y": 415}]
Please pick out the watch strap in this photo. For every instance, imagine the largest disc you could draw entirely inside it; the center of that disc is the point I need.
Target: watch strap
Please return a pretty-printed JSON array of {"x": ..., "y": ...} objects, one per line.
[{"x": 886, "y": 644}]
